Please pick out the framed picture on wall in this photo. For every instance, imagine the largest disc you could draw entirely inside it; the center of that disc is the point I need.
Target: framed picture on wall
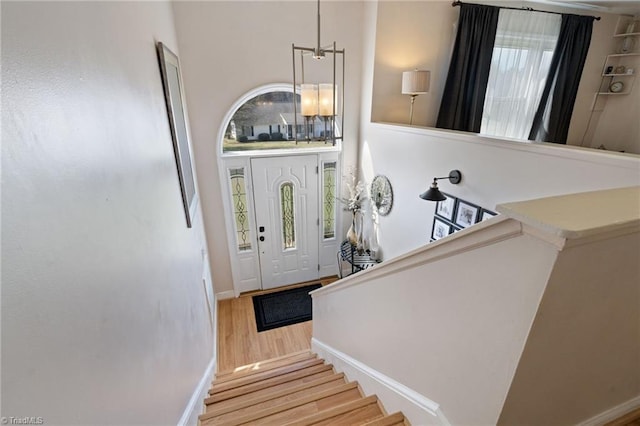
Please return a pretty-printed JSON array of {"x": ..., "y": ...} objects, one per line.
[
  {"x": 440, "y": 229},
  {"x": 172, "y": 84},
  {"x": 446, "y": 208},
  {"x": 466, "y": 214},
  {"x": 487, "y": 214}
]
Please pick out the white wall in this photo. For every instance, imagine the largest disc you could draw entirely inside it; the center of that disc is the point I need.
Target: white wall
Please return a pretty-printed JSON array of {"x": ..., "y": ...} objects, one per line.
[
  {"x": 227, "y": 48},
  {"x": 614, "y": 123},
  {"x": 583, "y": 348},
  {"x": 493, "y": 171},
  {"x": 409, "y": 35},
  {"x": 420, "y": 34},
  {"x": 230, "y": 47},
  {"x": 613, "y": 120},
  {"x": 451, "y": 333},
  {"x": 105, "y": 318},
  {"x": 506, "y": 322}
]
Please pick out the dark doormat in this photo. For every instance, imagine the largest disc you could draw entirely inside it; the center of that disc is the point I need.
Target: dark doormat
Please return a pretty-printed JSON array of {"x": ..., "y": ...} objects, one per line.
[{"x": 282, "y": 308}]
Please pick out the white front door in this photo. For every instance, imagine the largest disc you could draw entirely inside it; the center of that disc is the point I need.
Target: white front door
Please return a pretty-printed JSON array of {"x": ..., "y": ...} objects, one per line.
[{"x": 286, "y": 205}]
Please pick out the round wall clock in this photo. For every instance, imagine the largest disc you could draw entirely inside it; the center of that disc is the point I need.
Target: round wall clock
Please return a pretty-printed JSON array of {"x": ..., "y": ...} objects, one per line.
[
  {"x": 382, "y": 194},
  {"x": 616, "y": 87}
]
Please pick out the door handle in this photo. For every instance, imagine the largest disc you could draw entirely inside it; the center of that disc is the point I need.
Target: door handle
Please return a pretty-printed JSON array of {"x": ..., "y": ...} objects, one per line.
[{"x": 261, "y": 238}]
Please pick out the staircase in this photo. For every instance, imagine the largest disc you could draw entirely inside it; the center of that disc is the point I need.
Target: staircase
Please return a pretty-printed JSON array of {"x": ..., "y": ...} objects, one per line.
[{"x": 297, "y": 389}]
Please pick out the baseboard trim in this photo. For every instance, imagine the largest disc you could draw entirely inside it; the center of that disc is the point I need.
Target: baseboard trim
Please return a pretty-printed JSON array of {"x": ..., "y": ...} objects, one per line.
[
  {"x": 191, "y": 412},
  {"x": 395, "y": 396},
  {"x": 613, "y": 413},
  {"x": 225, "y": 295}
]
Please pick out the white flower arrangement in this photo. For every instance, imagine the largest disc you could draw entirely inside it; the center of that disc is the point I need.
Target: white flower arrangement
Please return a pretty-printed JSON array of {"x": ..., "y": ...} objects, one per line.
[{"x": 354, "y": 202}]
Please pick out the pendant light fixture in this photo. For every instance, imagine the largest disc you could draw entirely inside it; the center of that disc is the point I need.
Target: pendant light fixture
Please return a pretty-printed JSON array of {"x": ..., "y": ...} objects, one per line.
[{"x": 318, "y": 101}]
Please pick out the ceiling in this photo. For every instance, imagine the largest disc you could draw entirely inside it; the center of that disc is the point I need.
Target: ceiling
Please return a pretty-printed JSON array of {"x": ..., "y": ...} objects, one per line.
[{"x": 619, "y": 7}]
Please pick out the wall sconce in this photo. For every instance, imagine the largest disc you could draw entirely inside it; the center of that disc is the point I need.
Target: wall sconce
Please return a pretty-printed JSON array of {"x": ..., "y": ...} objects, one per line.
[
  {"x": 433, "y": 193},
  {"x": 319, "y": 100},
  {"x": 415, "y": 83}
]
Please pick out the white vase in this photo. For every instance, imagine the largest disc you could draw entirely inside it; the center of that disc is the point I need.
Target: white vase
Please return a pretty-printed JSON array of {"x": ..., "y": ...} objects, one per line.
[
  {"x": 627, "y": 45},
  {"x": 352, "y": 236},
  {"x": 632, "y": 27}
]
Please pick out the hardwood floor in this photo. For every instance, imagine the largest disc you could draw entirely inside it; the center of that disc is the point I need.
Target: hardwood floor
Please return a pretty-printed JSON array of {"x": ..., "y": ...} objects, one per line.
[{"x": 239, "y": 342}]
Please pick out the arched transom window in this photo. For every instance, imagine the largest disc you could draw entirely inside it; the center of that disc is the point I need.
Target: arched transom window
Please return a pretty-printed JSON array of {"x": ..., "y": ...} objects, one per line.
[{"x": 266, "y": 121}]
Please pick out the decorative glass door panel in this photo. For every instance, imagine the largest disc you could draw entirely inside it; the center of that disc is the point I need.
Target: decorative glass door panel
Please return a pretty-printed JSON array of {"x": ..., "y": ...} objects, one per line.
[{"x": 288, "y": 214}]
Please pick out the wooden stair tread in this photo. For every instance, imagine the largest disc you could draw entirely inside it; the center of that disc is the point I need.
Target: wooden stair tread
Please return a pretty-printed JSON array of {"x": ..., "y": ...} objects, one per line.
[
  {"x": 332, "y": 415},
  {"x": 221, "y": 401},
  {"x": 308, "y": 409},
  {"x": 390, "y": 420},
  {"x": 289, "y": 406},
  {"x": 264, "y": 375},
  {"x": 296, "y": 389},
  {"x": 252, "y": 387},
  {"x": 274, "y": 398},
  {"x": 260, "y": 366},
  {"x": 357, "y": 417}
]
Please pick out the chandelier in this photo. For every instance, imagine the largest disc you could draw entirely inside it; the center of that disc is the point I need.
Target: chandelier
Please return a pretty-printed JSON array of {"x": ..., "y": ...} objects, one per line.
[{"x": 321, "y": 106}]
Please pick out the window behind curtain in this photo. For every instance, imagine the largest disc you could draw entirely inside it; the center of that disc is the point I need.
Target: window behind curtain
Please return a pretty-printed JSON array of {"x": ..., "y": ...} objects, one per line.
[{"x": 519, "y": 67}]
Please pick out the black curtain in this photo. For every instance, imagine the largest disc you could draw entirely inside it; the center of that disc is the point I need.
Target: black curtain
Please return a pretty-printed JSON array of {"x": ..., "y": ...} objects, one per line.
[
  {"x": 466, "y": 86},
  {"x": 552, "y": 119}
]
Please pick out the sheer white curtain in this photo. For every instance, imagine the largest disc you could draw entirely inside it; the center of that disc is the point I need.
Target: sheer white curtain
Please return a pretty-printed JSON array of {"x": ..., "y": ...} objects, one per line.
[{"x": 519, "y": 67}]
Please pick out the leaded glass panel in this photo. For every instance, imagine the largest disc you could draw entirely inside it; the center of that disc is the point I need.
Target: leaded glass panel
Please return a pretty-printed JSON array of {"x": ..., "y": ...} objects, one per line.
[
  {"x": 288, "y": 215},
  {"x": 240, "y": 213},
  {"x": 329, "y": 199}
]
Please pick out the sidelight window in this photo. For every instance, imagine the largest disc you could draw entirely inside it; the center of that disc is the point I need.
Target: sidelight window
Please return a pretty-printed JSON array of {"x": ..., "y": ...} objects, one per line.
[
  {"x": 329, "y": 199},
  {"x": 240, "y": 213}
]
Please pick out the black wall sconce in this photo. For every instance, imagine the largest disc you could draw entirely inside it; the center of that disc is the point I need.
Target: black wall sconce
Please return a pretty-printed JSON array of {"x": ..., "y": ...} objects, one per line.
[{"x": 433, "y": 193}]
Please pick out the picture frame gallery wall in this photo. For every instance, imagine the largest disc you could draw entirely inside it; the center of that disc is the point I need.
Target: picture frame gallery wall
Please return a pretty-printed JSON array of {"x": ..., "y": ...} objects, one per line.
[{"x": 455, "y": 214}]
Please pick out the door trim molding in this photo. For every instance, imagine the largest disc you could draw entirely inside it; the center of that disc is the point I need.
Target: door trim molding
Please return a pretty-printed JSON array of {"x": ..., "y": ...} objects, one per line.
[
  {"x": 242, "y": 263},
  {"x": 222, "y": 159}
]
